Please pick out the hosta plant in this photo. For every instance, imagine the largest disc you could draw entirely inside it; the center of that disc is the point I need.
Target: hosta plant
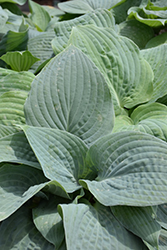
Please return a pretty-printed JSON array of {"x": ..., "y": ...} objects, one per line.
[{"x": 83, "y": 127}]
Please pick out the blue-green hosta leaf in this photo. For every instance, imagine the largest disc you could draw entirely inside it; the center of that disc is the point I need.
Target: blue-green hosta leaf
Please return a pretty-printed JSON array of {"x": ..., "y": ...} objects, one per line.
[
  {"x": 7, "y": 130},
  {"x": 61, "y": 155},
  {"x": 19, "y": 232},
  {"x": 11, "y": 107},
  {"x": 163, "y": 240},
  {"x": 84, "y": 6},
  {"x": 151, "y": 18},
  {"x": 99, "y": 17},
  {"x": 140, "y": 221},
  {"x": 48, "y": 221},
  {"x": 162, "y": 215},
  {"x": 71, "y": 94},
  {"x": 18, "y": 183},
  {"x": 157, "y": 40},
  {"x": 157, "y": 58},
  {"x": 53, "y": 12},
  {"x": 40, "y": 47},
  {"x": 138, "y": 32},
  {"x": 119, "y": 60},
  {"x": 13, "y": 41},
  {"x": 3, "y": 18},
  {"x": 19, "y": 61},
  {"x": 15, "y": 81},
  {"x": 95, "y": 228},
  {"x": 39, "y": 15},
  {"x": 14, "y": 147},
  {"x": 148, "y": 118},
  {"x": 131, "y": 169}
]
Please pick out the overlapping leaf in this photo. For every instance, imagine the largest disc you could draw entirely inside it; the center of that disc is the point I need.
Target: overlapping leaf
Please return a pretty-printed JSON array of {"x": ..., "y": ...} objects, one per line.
[
  {"x": 19, "y": 232},
  {"x": 131, "y": 169},
  {"x": 157, "y": 58},
  {"x": 120, "y": 61},
  {"x": 157, "y": 40},
  {"x": 18, "y": 183},
  {"x": 61, "y": 155},
  {"x": 95, "y": 228},
  {"x": 71, "y": 94},
  {"x": 100, "y": 18}
]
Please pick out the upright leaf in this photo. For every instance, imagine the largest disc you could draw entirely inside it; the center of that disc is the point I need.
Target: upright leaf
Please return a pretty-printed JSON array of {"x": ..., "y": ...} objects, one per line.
[
  {"x": 120, "y": 61},
  {"x": 71, "y": 94},
  {"x": 131, "y": 169}
]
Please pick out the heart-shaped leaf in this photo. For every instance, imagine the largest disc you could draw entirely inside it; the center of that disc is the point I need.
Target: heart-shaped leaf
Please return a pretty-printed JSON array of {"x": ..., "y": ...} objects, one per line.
[
  {"x": 95, "y": 228},
  {"x": 119, "y": 60},
  {"x": 128, "y": 165},
  {"x": 71, "y": 94}
]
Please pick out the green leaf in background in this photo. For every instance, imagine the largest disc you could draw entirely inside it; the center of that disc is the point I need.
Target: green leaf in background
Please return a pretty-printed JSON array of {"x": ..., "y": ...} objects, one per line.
[
  {"x": 61, "y": 155},
  {"x": 48, "y": 221},
  {"x": 157, "y": 40},
  {"x": 40, "y": 47},
  {"x": 18, "y": 184},
  {"x": 19, "y": 232},
  {"x": 15, "y": 81},
  {"x": 100, "y": 18},
  {"x": 19, "y": 61},
  {"x": 12, "y": 7},
  {"x": 120, "y": 61},
  {"x": 20, "y": 2},
  {"x": 157, "y": 58},
  {"x": 148, "y": 118},
  {"x": 15, "y": 148},
  {"x": 84, "y": 6},
  {"x": 138, "y": 32},
  {"x": 128, "y": 165},
  {"x": 71, "y": 94},
  {"x": 140, "y": 221},
  {"x": 95, "y": 228},
  {"x": 39, "y": 15}
]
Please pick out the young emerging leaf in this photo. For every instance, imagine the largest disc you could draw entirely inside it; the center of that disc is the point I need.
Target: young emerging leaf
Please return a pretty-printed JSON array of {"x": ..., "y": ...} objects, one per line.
[
  {"x": 131, "y": 169},
  {"x": 71, "y": 94}
]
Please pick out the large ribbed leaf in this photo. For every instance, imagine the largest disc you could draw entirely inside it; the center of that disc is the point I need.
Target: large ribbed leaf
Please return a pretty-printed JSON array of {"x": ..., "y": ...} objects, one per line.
[
  {"x": 14, "y": 147},
  {"x": 100, "y": 18},
  {"x": 19, "y": 61},
  {"x": 140, "y": 221},
  {"x": 84, "y": 6},
  {"x": 157, "y": 58},
  {"x": 14, "y": 81},
  {"x": 18, "y": 183},
  {"x": 89, "y": 228},
  {"x": 148, "y": 118},
  {"x": 61, "y": 155},
  {"x": 18, "y": 232},
  {"x": 48, "y": 221},
  {"x": 39, "y": 15},
  {"x": 71, "y": 94},
  {"x": 40, "y": 47},
  {"x": 131, "y": 169},
  {"x": 120, "y": 61}
]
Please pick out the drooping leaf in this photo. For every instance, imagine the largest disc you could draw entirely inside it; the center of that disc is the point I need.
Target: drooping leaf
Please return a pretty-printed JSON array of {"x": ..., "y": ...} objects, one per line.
[
  {"x": 131, "y": 169},
  {"x": 84, "y": 6},
  {"x": 19, "y": 61},
  {"x": 40, "y": 47},
  {"x": 39, "y": 15},
  {"x": 99, "y": 17},
  {"x": 15, "y": 148},
  {"x": 48, "y": 221},
  {"x": 71, "y": 94},
  {"x": 157, "y": 58},
  {"x": 18, "y": 232},
  {"x": 18, "y": 183},
  {"x": 140, "y": 221},
  {"x": 15, "y": 81},
  {"x": 61, "y": 155},
  {"x": 120, "y": 61},
  {"x": 138, "y": 32},
  {"x": 95, "y": 228}
]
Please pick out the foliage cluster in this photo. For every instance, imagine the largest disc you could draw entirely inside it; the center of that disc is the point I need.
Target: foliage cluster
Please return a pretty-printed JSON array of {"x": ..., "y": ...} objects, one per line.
[{"x": 83, "y": 125}]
